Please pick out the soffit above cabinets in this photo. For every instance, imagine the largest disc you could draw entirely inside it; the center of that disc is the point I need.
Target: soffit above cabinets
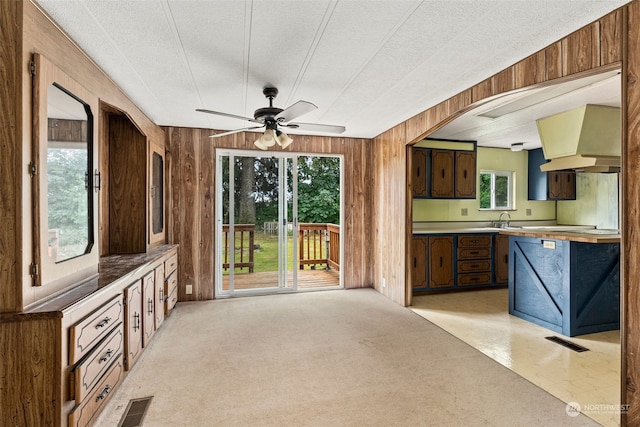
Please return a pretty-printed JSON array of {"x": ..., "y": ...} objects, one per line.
[{"x": 366, "y": 67}]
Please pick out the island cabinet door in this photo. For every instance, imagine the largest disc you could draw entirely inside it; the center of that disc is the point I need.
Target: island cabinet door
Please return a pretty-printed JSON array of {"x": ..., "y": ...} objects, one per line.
[
  {"x": 501, "y": 259},
  {"x": 441, "y": 262},
  {"x": 133, "y": 324},
  {"x": 148, "y": 308},
  {"x": 442, "y": 173},
  {"x": 419, "y": 262}
]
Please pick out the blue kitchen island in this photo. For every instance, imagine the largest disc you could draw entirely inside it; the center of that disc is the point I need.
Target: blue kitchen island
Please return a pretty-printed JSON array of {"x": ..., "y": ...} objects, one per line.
[{"x": 568, "y": 282}]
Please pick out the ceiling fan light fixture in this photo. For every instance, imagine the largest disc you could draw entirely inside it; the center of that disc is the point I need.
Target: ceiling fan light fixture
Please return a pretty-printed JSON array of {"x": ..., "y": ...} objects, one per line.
[
  {"x": 283, "y": 139},
  {"x": 266, "y": 140}
]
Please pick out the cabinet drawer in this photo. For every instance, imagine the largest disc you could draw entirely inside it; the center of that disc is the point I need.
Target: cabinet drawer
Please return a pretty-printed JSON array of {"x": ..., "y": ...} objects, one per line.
[
  {"x": 85, "y": 412},
  {"x": 474, "y": 253},
  {"x": 84, "y": 335},
  {"x": 474, "y": 241},
  {"x": 171, "y": 292},
  {"x": 171, "y": 264},
  {"x": 470, "y": 279},
  {"x": 474, "y": 266},
  {"x": 88, "y": 372}
]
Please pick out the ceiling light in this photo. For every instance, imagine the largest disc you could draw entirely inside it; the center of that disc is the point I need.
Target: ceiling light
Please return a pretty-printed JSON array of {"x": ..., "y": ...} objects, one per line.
[
  {"x": 517, "y": 146},
  {"x": 266, "y": 140},
  {"x": 283, "y": 139}
]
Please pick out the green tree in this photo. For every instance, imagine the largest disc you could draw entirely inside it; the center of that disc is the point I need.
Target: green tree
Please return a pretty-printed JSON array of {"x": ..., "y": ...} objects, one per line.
[{"x": 319, "y": 189}]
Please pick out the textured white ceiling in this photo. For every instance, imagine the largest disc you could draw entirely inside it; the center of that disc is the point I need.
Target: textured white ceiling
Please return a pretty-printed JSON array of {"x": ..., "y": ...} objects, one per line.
[{"x": 367, "y": 65}]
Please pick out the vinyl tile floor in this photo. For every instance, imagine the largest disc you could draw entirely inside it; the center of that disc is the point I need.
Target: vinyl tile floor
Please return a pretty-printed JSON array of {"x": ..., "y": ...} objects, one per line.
[{"x": 481, "y": 318}]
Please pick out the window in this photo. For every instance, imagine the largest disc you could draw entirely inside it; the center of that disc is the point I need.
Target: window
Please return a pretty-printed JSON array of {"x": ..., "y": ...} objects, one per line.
[{"x": 496, "y": 190}]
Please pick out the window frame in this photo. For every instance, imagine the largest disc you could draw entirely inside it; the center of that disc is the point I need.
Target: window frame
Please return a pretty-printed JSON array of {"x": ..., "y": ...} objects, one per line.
[{"x": 510, "y": 194}]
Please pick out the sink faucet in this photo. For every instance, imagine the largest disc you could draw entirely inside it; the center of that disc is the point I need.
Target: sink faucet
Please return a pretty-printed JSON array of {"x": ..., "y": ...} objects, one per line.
[{"x": 501, "y": 222}]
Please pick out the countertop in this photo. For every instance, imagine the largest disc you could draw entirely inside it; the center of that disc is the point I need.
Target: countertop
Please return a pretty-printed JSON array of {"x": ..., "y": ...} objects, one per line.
[{"x": 575, "y": 233}]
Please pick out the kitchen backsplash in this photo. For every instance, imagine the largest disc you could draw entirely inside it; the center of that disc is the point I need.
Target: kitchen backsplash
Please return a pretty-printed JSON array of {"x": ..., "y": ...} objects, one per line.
[{"x": 596, "y": 203}]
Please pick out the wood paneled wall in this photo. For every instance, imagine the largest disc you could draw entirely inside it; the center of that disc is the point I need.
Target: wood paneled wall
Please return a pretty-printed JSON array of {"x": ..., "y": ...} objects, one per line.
[
  {"x": 592, "y": 49},
  {"x": 11, "y": 156},
  {"x": 192, "y": 197}
]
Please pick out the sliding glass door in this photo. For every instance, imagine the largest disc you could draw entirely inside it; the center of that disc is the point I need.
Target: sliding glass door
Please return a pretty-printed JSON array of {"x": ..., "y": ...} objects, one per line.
[{"x": 261, "y": 247}]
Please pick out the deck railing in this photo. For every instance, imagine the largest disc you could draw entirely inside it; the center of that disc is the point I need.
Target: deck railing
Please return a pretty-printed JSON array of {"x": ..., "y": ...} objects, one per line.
[
  {"x": 319, "y": 244},
  {"x": 244, "y": 246}
]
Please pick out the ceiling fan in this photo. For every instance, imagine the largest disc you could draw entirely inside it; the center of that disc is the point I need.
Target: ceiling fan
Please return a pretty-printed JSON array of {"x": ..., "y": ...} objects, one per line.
[{"x": 273, "y": 118}]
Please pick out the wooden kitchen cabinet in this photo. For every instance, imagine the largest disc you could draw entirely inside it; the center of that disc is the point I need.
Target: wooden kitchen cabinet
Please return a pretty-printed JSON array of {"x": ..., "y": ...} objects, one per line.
[
  {"x": 473, "y": 260},
  {"x": 465, "y": 175},
  {"x": 501, "y": 259},
  {"x": 453, "y": 174},
  {"x": 419, "y": 171},
  {"x": 442, "y": 173},
  {"x": 561, "y": 185},
  {"x": 441, "y": 268},
  {"x": 419, "y": 264},
  {"x": 158, "y": 284},
  {"x": 555, "y": 185}
]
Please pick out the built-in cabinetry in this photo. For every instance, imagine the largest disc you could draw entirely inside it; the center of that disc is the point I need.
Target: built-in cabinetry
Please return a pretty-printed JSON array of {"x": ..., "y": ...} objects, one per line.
[
  {"x": 69, "y": 353},
  {"x": 554, "y": 185},
  {"x": 444, "y": 173},
  {"x": 456, "y": 261}
]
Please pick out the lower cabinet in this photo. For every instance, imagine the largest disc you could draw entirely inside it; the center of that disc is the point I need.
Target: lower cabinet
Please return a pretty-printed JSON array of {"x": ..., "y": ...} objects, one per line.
[
  {"x": 69, "y": 354},
  {"x": 457, "y": 261}
]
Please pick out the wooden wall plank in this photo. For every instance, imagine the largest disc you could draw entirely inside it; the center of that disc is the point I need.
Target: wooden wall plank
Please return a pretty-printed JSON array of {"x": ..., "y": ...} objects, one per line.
[
  {"x": 610, "y": 38},
  {"x": 553, "y": 61},
  {"x": 531, "y": 70},
  {"x": 416, "y": 126},
  {"x": 11, "y": 138},
  {"x": 581, "y": 50},
  {"x": 630, "y": 333},
  {"x": 482, "y": 90},
  {"x": 504, "y": 81},
  {"x": 459, "y": 102},
  {"x": 206, "y": 205}
]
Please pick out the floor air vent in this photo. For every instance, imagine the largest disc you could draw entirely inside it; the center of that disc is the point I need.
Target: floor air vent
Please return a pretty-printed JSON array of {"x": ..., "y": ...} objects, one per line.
[
  {"x": 135, "y": 412},
  {"x": 568, "y": 344}
]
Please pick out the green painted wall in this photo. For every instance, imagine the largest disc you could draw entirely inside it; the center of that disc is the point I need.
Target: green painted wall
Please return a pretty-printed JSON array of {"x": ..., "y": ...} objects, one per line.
[
  {"x": 596, "y": 201},
  {"x": 489, "y": 159}
]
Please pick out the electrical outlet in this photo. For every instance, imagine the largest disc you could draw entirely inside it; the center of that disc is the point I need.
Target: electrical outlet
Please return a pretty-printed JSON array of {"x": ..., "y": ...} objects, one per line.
[
  {"x": 464, "y": 212},
  {"x": 528, "y": 212},
  {"x": 384, "y": 282},
  {"x": 189, "y": 289}
]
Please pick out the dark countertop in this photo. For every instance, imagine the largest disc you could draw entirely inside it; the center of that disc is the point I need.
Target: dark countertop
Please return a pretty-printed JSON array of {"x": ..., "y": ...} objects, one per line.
[{"x": 112, "y": 268}]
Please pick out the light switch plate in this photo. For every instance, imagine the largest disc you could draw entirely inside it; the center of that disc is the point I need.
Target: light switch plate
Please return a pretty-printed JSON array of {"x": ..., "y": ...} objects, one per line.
[{"x": 464, "y": 212}]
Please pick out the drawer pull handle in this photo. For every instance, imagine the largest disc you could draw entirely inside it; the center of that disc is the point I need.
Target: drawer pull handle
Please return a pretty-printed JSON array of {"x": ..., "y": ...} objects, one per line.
[
  {"x": 104, "y": 393},
  {"x": 104, "y": 322},
  {"x": 465, "y": 174},
  {"x": 474, "y": 279},
  {"x": 150, "y": 305},
  {"x": 136, "y": 321},
  {"x": 418, "y": 170},
  {"x": 474, "y": 252},
  {"x": 106, "y": 356},
  {"x": 474, "y": 265},
  {"x": 414, "y": 262},
  {"x": 506, "y": 259},
  {"x": 443, "y": 173},
  {"x": 440, "y": 261}
]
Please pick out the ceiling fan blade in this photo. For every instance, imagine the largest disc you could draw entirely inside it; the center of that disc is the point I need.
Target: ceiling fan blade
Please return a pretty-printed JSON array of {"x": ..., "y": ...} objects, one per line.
[
  {"x": 295, "y": 110},
  {"x": 233, "y": 116},
  {"x": 316, "y": 127},
  {"x": 231, "y": 132}
]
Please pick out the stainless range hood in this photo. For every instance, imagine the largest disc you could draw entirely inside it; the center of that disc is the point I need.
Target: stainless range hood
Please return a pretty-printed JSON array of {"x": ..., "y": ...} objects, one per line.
[{"x": 585, "y": 139}]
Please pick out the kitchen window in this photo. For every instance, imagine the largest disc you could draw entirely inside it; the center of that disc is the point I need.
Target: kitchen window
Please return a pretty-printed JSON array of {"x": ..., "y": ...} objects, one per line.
[{"x": 496, "y": 190}]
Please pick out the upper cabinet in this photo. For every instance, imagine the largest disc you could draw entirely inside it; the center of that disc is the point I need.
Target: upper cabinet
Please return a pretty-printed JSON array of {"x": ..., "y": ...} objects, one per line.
[
  {"x": 64, "y": 177},
  {"x": 451, "y": 167},
  {"x": 556, "y": 185}
]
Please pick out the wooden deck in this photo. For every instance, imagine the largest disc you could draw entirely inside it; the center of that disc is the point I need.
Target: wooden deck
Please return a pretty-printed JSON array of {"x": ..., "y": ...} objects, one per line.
[{"x": 306, "y": 279}]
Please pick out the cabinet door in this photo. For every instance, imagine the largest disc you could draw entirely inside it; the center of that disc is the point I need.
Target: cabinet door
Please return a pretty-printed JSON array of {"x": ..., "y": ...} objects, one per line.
[
  {"x": 419, "y": 266},
  {"x": 156, "y": 218},
  {"x": 159, "y": 289},
  {"x": 419, "y": 172},
  {"x": 501, "y": 259},
  {"x": 133, "y": 324},
  {"x": 148, "y": 308},
  {"x": 440, "y": 261},
  {"x": 465, "y": 174},
  {"x": 442, "y": 162},
  {"x": 569, "y": 186}
]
